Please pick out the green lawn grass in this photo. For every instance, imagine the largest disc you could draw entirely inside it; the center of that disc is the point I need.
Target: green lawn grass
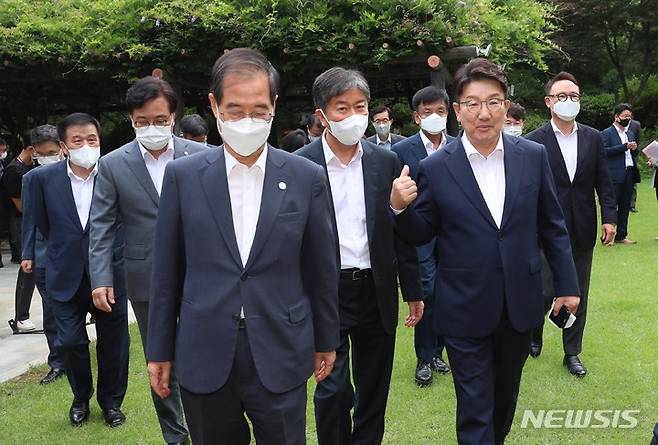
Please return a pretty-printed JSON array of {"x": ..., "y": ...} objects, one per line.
[{"x": 620, "y": 352}]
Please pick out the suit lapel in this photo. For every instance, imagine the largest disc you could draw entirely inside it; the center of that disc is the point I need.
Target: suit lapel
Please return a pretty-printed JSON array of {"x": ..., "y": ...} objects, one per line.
[
  {"x": 513, "y": 171},
  {"x": 64, "y": 184},
  {"x": 581, "y": 155},
  {"x": 370, "y": 178},
  {"x": 215, "y": 187},
  {"x": 180, "y": 148},
  {"x": 275, "y": 186},
  {"x": 462, "y": 173},
  {"x": 554, "y": 151},
  {"x": 135, "y": 162},
  {"x": 417, "y": 148}
]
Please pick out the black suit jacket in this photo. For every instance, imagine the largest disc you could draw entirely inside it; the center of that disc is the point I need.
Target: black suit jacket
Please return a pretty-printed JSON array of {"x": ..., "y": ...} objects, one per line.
[
  {"x": 389, "y": 255},
  {"x": 577, "y": 198},
  {"x": 616, "y": 152}
]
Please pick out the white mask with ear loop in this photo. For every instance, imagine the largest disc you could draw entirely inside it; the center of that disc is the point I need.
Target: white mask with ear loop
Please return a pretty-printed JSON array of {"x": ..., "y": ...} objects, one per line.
[
  {"x": 350, "y": 130},
  {"x": 244, "y": 136}
]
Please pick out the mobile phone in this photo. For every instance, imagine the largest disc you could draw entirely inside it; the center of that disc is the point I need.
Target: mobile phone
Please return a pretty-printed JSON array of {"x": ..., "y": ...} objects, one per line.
[{"x": 564, "y": 319}]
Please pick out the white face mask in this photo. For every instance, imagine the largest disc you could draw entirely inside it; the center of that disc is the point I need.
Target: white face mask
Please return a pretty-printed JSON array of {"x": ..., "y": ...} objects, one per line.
[
  {"x": 513, "y": 130},
  {"x": 85, "y": 157},
  {"x": 153, "y": 137},
  {"x": 245, "y": 136},
  {"x": 45, "y": 160},
  {"x": 383, "y": 130},
  {"x": 350, "y": 130},
  {"x": 434, "y": 124},
  {"x": 567, "y": 110},
  {"x": 3, "y": 156}
]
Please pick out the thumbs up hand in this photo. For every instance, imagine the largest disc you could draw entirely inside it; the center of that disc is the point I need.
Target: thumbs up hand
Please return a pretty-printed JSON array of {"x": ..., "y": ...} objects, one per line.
[{"x": 404, "y": 190}]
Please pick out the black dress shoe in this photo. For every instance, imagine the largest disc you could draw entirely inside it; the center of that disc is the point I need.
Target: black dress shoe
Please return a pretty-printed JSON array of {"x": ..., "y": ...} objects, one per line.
[
  {"x": 79, "y": 412},
  {"x": 52, "y": 375},
  {"x": 439, "y": 365},
  {"x": 423, "y": 375},
  {"x": 114, "y": 417},
  {"x": 535, "y": 349},
  {"x": 575, "y": 367},
  {"x": 185, "y": 442}
]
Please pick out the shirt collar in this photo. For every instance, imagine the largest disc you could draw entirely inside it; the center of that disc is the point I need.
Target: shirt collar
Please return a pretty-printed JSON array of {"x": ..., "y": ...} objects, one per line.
[
  {"x": 329, "y": 155},
  {"x": 426, "y": 140},
  {"x": 379, "y": 141},
  {"x": 622, "y": 130},
  {"x": 72, "y": 175},
  {"x": 168, "y": 151},
  {"x": 557, "y": 130},
  {"x": 470, "y": 150},
  {"x": 231, "y": 162}
]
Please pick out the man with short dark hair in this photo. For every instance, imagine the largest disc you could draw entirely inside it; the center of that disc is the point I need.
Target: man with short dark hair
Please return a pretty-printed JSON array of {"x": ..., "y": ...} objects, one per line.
[
  {"x": 622, "y": 150},
  {"x": 61, "y": 193},
  {"x": 244, "y": 298},
  {"x": 578, "y": 163},
  {"x": 128, "y": 190},
  {"x": 514, "y": 120},
  {"x": 382, "y": 122},
  {"x": 194, "y": 128},
  {"x": 44, "y": 146},
  {"x": 371, "y": 256},
  {"x": 489, "y": 200},
  {"x": 314, "y": 128},
  {"x": 430, "y": 111},
  {"x": 33, "y": 260}
]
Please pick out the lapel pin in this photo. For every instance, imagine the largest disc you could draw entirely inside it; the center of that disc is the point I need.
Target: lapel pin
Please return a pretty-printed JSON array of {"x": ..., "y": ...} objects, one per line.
[
  {"x": 185, "y": 153},
  {"x": 282, "y": 185}
]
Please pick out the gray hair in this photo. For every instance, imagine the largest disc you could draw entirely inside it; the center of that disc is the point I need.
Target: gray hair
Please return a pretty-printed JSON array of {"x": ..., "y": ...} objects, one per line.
[
  {"x": 44, "y": 133},
  {"x": 336, "y": 81},
  {"x": 246, "y": 62}
]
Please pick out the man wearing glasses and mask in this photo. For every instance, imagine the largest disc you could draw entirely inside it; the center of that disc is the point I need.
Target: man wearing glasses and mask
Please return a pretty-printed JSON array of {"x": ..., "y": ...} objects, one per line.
[{"x": 128, "y": 190}]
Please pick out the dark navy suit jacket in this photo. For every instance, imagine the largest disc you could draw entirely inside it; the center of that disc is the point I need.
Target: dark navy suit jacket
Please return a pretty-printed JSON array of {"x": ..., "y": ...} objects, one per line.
[
  {"x": 67, "y": 251},
  {"x": 411, "y": 151},
  {"x": 473, "y": 251},
  {"x": 33, "y": 243},
  {"x": 616, "y": 152},
  {"x": 288, "y": 287}
]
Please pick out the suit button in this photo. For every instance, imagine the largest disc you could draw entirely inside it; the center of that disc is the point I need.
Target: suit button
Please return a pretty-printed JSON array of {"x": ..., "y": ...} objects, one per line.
[
  {"x": 500, "y": 237},
  {"x": 244, "y": 277}
]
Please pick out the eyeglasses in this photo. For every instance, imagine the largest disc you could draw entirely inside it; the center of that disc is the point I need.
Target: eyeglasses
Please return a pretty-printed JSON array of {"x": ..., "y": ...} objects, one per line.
[
  {"x": 141, "y": 123},
  {"x": 381, "y": 121},
  {"x": 474, "y": 106},
  {"x": 563, "y": 97},
  {"x": 258, "y": 117}
]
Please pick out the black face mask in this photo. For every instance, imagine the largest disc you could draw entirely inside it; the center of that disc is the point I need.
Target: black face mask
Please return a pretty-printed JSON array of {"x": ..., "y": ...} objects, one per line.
[{"x": 624, "y": 122}]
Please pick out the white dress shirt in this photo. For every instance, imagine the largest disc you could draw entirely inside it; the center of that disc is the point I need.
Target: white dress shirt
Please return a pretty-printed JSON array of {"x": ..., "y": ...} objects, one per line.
[
  {"x": 628, "y": 158},
  {"x": 490, "y": 175},
  {"x": 83, "y": 190},
  {"x": 384, "y": 144},
  {"x": 245, "y": 189},
  {"x": 348, "y": 193},
  {"x": 429, "y": 146},
  {"x": 569, "y": 147},
  {"x": 156, "y": 167}
]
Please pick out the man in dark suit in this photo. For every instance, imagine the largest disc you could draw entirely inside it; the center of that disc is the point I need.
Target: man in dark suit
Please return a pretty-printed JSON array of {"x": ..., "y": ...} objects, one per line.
[
  {"x": 489, "y": 199},
  {"x": 431, "y": 106},
  {"x": 128, "y": 190},
  {"x": 636, "y": 128},
  {"x": 580, "y": 168},
  {"x": 244, "y": 293},
  {"x": 62, "y": 199},
  {"x": 621, "y": 148},
  {"x": 382, "y": 121},
  {"x": 33, "y": 259},
  {"x": 370, "y": 255}
]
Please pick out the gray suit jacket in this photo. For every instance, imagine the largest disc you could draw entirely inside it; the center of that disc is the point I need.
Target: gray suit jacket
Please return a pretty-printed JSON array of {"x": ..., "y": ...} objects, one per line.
[
  {"x": 125, "y": 193},
  {"x": 395, "y": 138}
]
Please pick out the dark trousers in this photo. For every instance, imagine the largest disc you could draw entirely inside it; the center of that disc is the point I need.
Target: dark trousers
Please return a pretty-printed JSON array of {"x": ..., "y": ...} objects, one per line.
[
  {"x": 169, "y": 410},
  {"x": 427, "y": 343},
  {"x": 572, "y": 338},
  {"x": 487, "y": 374},
  {"x": 623, "y": 191},
  {"x": 219, "y": 417},
  {"x": 49, "y": 323},
  {"x": 112, "y": 347},
  {"x": 15, "y": 235},
  {"x": 24, "y": 281},
  {"x": 372, "y": 364}
]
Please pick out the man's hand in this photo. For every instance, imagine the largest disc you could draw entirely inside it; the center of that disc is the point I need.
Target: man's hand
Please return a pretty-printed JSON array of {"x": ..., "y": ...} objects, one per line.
[
  {"x": 404, "y": 190},
  {"x": 324, "y": 364},
  {"x": 631, "y": 145},
  {"x": 571, "y": 302},
  {"x": 26, "y": 265},
  {"x": 416, "y": 309},
  {"x": 159, "y": 378},
  {"x": 608, "y": 232},
  {"x": 103, "y": 297}
]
